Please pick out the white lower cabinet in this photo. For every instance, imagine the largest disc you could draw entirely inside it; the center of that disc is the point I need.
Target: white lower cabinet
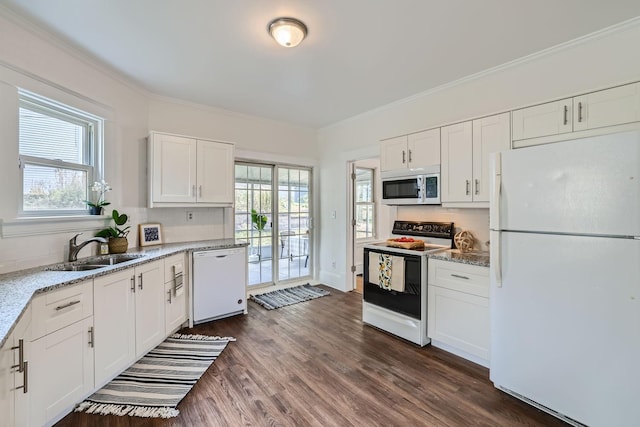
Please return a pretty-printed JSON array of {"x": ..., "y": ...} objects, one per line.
[
  {"x": 458, "y": 309},
  {"x": 149, "y": 300},
  {"x": 115, "y": 324},
  {"x": 61, "y": 371},
  {"x": 175, "y": 309},
  {"x": 14, "y": 374}
]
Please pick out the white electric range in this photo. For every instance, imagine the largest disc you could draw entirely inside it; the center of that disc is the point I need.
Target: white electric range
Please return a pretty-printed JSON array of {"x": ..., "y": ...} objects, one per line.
[{"x": 403, "y": 311}]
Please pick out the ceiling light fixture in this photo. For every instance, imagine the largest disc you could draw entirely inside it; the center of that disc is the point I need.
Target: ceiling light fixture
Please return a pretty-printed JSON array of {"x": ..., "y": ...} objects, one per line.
[{"x": 287, "y": 32}]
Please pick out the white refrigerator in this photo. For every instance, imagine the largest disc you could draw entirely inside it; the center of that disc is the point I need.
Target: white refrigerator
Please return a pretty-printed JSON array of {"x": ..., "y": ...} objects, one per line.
[{"x": 565, "y": 278}]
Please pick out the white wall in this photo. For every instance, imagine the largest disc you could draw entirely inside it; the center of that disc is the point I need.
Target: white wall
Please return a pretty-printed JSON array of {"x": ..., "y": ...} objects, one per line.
[
  {"x": 605, "y": 59},
  {"x": 33, "y": 60}
]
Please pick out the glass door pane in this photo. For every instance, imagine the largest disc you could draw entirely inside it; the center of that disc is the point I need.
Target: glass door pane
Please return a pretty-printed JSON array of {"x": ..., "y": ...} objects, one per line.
[
  {"x": 293, "y": 222},
  {"x": 254, "y": 218}
]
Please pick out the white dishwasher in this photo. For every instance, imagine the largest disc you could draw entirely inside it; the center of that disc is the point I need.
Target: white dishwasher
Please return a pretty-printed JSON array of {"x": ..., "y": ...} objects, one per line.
[{"x": 219, "y": 284}]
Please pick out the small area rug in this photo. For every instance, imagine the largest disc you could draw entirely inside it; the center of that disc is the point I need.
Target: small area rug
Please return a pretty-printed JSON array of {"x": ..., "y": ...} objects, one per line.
[
  {"x": 284, "y": 297},
  {"x": 155, "y": 384}
]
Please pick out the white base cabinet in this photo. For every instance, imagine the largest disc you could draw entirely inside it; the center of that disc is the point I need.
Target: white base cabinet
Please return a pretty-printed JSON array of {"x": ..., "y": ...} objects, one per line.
[
  {"x": 458, "y": 309},
  {"x": 115, "y": 324},
  {"x": 175, "y": 289},
  {"x": 61, "y": 371},
  {"x": 149, "y": 301}
]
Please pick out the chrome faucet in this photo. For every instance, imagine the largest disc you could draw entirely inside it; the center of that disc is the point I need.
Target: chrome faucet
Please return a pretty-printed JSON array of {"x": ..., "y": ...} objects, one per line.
[{"x": 74, "y": 247}]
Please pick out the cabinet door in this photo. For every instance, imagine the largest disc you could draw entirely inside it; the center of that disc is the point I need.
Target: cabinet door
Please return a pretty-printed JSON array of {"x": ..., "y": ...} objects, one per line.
[
  {"x": 61, "y": 371},
  {"x": 424, "y": 149},
  {"x": 173, "y": 164},
  {"x": 393, "y": 154},
  {"x": 175, "y": 308},
  {"x": 490, "y": 134},
  {"x": 456, "y": 173},
  {"x": 215, "y": 177},
  {"x": 460, "y": 320},
  {"x": 149, "y": 306},
  {"x": 552, "y": 118},
  {"x": 114, "y": 320},
  {"x": 22, "y": 378},
  {"x": 609, "y": 107}
]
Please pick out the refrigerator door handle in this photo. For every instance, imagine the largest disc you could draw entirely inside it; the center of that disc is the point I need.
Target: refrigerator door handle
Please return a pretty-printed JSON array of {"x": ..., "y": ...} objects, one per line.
[
  {"x": 494, "y": 208},
  {"x": 496, "y": 257}
]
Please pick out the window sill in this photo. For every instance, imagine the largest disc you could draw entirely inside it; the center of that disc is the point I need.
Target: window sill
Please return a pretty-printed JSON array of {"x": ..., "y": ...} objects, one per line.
[{"x": 21, "y": 227}]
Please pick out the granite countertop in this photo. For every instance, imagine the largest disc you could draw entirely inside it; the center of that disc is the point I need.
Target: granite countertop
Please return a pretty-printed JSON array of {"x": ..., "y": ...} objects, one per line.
[
  {"x": 454, "y": 255},
  {"x": 19, "y": 287}
]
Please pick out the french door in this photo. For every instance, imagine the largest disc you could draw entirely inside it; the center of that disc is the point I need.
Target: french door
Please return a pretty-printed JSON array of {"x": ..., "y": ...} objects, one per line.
[{"x": 272, "y": 213}]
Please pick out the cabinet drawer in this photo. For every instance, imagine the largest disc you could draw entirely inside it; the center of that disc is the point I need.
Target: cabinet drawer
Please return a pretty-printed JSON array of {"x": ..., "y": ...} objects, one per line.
[
  {"x": 56, "y": 309},
  {"x": 169, "y": 266},
  {"x": 471, "y": 279}
]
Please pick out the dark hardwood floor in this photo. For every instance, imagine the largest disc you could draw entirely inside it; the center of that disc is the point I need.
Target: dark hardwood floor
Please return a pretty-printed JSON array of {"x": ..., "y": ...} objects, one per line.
[{"x": 316, "y": 364}]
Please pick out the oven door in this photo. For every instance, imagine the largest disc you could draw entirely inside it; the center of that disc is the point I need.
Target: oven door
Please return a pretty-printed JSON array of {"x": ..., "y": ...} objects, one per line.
[{"x": 407, "y": 302}]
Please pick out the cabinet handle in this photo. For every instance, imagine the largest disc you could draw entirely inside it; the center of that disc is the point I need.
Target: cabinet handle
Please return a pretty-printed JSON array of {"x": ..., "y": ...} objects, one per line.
[
  {"x": 468, "y": 183},
  {"x": 140, "y": 278},
  {"x": 404, "y": 157},
  {"x": 460, "y": 277},
  {"x": 67, "y": 305},
  {"x": 25, "y": 379},
  {"x": 200, "y": 191},
  {"x": 477, "y": 187},
  {"x": 133, "y": 284},
  {"x": 169, "y": 300},
  {"x": 91, "y": 336},
  {"x": 410, "y": 160},
  {"x": 21, "y": 362},
  {"x": 579, "y": 112},
  {"x": 193, "y": 190},
  {"x": 566, "y": 115}
]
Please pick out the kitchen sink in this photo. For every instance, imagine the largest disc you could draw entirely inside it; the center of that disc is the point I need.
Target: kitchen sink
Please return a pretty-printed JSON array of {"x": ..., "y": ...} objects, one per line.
[
  {"x": 75, "y": 267},
  {"x": 114, "y": 259},
  {"x": 93, "y": 263}
]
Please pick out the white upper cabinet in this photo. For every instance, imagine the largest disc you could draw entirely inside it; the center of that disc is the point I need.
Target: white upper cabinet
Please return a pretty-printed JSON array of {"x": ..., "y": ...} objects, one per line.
[
  {"x": 588, "y": 114},
  {"x": 457, "y": 163},
  {"x": 490, "y": 135},
  {"x": 414, "y": 152},
  {"x": 552, "y": 118},
  {"x": 466, "y": 149},
  {"x": 190, "y": 172},
  {"x": 610, "y": 107}
]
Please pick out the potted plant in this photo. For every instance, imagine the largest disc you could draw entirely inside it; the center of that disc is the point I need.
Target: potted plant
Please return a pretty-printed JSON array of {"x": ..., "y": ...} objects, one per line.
[
  {"x": 117, "y": 236},
  {"x": 95, "y": 207},
  {"x": 259, "y": 222}
]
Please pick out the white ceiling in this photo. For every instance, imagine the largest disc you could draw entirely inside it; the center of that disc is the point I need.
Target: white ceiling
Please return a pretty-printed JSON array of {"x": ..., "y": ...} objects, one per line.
[{"x": 359, "y": 55}]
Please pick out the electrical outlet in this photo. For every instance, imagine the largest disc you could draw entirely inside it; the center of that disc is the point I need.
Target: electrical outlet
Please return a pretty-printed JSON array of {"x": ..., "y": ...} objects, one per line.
[{"x": 189, "y": 215}]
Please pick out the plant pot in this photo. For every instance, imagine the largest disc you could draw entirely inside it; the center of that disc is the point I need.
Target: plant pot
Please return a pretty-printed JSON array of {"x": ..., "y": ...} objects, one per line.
[
  {"x": 118, "y": 245},
  {"x": 95, "y": 210}
]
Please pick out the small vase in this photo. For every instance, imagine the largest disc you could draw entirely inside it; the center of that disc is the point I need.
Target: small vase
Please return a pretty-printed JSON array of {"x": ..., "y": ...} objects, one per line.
[
  {"x": 95, "y": 210},
  {"x": 118, "y": 245}
]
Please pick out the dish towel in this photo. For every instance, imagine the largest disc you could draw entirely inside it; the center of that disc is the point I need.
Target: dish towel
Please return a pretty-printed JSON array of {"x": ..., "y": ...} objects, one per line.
[
  {"x": 178, "y": 279},
  {"x": 386, "y": 271}
]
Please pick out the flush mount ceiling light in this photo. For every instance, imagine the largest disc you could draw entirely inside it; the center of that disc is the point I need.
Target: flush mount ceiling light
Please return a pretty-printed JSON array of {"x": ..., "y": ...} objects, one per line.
[{"x": 287, "y": 32}]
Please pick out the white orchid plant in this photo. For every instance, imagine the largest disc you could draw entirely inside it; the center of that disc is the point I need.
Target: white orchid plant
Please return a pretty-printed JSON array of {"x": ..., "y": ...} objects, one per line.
[{"x": 100, "y": 187}]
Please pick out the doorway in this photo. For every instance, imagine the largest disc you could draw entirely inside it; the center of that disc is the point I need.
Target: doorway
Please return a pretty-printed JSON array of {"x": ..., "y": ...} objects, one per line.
[{"x": 280, "y": 249}]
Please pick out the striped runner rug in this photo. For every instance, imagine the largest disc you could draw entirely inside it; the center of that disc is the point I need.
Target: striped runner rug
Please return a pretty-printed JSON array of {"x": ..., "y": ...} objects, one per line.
[
  {"x": 156, "y": 383},
  {"x": 284, "y": 297}
]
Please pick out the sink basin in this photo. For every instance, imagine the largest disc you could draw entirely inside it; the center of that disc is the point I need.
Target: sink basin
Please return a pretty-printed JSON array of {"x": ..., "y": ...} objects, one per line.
[
  {"x": 93, "y": 263},
  {"x": 114, "y": 259},
  {"x": 75, "y": 267}
]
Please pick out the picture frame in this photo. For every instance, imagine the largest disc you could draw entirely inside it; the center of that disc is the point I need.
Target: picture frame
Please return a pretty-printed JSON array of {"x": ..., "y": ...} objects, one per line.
[{"x": 150, "y": 234}]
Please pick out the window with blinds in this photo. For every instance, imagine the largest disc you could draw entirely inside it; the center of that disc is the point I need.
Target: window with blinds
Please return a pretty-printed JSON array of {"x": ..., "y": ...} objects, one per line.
[{"x": 58, "y": 148}]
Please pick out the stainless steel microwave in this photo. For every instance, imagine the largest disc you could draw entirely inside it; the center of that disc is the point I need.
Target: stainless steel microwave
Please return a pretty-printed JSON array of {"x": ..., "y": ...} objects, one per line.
[{"x": 421, "y": 189}]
